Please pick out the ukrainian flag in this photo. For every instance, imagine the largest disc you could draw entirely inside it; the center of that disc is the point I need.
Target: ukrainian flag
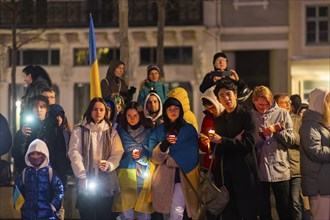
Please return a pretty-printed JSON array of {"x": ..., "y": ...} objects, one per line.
[
  {"x": 95, "y": 86},
  {"x": 18, "y": 198}
]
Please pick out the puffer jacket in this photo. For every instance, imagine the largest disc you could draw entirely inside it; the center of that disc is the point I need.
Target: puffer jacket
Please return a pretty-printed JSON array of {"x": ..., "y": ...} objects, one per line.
[
  {"x": 40, "y": 193},
  {"x": 272, "y": 154},
  {"x": 315, "y": 148},
  {"x": 182, "y": 95}
]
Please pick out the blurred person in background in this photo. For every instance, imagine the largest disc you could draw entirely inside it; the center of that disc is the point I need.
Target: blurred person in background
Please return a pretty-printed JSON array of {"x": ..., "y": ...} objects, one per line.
[{"x": 315, "y": 153}]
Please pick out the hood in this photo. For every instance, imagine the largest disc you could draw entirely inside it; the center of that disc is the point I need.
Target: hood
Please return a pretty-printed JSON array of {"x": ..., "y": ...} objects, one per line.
[
  {"x": 209, "y": 95},
  {"x": 39, "y": 146},
  {"x": 181, "y": 95},
  {"x": 145, "y": 111},
  {"x": 112, "y": 67},
  {"x": 111, "y": 104},
  {"x": 316, "y": 99}
]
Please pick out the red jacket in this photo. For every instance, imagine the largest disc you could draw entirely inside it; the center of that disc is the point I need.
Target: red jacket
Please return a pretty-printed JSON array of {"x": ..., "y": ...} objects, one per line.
[{"x": 207, "y": 124}]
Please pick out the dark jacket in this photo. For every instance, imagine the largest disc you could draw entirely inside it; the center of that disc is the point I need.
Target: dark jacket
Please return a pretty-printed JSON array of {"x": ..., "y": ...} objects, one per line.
[
  {"x": 243, "y": 90},
  {"x": 5, "y": 136},
  {"x": 239, "y": 161},
  {"x": 114, "y": 85},
  {"x": 314, "y": 155},
  {"x": 52, "y": 136},
  {"x": 40, "y": 187},
  {"x": 38, "y": 193}
]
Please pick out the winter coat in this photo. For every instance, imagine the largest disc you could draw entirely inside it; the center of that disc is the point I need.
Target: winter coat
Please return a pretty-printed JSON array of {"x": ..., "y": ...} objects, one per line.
[
  {"x": 158, "y": 119},
  {"x": 40, "y": 193},
  {"x": 239, "y": 160},
  {"x": 293, "y": 150},
  {"x": 272, "y": 152},
  {"x": 184, "y": 155},
  {"x": 207, "y": 124},
  {"x": 159, "y": 87},
  {"x": 132, "y": 173},
  {"x": 315, "y": 148},
  {"x": 5, "y": 136},
  {"x": 113, "y": 84},
  {"x": 90, "y": 143},
  {"x": 44, "y": 130},
  {"x": 182, "y": 95}
]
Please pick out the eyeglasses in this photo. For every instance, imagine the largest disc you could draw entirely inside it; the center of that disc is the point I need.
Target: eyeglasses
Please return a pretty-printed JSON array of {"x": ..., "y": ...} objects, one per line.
[{"x": 175, "y": 109}]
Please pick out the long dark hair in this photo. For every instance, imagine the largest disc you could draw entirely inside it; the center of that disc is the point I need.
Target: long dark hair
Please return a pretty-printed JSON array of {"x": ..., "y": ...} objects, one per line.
[
  {"x": 178, "y": 123},
  {"x": 88, "y": 112},
  {"x": 137, "y": 106},
  {"x": 37, "y": 71}
]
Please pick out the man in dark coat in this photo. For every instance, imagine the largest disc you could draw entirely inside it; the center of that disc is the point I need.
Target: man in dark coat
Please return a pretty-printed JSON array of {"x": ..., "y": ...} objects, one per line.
[{"x": 235, "y": 132}]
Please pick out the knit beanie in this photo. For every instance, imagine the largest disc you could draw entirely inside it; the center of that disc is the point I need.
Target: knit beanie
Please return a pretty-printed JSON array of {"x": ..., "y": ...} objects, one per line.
[
  {"x": 152, "y": 67},
  {"x": 217, "y": 55},
  {"x": 171, "y": 101},
  {"x": 316, "y": 99}
]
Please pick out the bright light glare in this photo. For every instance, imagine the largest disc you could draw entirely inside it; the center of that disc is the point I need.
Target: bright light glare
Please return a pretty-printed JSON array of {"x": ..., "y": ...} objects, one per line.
[
  {"x": 18, "y": 103},
  {"x": 29, "y": 118},
  {"x": 145, "y": 174},
  {"x": 91, "y": 185}
]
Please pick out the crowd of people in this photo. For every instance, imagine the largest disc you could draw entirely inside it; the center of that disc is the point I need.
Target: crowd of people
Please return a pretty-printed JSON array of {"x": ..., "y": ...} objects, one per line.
[{"x": 141, "y": 159}]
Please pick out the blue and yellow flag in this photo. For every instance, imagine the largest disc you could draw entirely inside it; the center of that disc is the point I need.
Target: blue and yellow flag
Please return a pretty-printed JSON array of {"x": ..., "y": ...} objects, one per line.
[
  {"x": 18, "y": 198},
  {"x": 95, "y": 86}
]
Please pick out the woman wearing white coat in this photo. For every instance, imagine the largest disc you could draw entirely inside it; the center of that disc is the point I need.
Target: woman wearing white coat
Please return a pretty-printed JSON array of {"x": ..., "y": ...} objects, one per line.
[{"x": 95, "y": 151}]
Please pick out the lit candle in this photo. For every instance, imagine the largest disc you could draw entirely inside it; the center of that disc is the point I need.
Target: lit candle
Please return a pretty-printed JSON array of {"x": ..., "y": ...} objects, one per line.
[{"x": 211, "y": 132}]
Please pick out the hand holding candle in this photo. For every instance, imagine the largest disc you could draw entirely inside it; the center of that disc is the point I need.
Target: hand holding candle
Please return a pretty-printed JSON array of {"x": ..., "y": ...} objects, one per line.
[
  {"x": 214, "y": 137},
  {"x": 104, "y": 165},
  {"x": 136, "y": 154}
]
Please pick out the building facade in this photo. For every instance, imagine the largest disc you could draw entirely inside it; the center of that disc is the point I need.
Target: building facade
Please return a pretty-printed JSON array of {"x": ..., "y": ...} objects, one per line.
[{"x": 263, "y": 39}]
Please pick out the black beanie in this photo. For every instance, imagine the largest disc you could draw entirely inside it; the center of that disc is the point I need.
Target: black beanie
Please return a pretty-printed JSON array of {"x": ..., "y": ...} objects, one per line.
[
  {"x": 217, "y": 55},
  {"x": 171, "y": 101}
]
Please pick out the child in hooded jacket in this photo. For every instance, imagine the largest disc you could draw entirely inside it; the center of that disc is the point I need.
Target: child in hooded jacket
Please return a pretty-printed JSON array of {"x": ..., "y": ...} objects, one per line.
[{"x": 41, "y": 188}]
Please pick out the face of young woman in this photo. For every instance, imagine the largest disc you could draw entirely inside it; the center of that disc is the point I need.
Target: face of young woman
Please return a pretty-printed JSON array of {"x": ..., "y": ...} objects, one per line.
[
  {"x": 132, "y": 117},
  {"x": 173, "y": 112},
  {"x": 40, "y": 109},
  {"x": 98, "y": 112},
  {"x": 154, "y": 76},
  {"x": 119, "y": 70}
]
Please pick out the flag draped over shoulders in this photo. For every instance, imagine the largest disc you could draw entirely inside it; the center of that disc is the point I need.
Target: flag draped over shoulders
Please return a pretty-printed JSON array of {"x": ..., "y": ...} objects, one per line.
[{"x": 95, "y": 87}]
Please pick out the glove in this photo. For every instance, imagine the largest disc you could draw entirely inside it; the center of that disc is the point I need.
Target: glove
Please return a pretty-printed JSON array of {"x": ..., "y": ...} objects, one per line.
[
  {"x": 131, "y": 91},
  {"x": 164, "y": 145}
]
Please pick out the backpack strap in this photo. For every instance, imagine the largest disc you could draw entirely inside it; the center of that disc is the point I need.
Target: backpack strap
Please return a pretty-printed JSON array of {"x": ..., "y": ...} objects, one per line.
[
  {"x": 23, "y": 175},
  {"x": 50, "y": 174}
]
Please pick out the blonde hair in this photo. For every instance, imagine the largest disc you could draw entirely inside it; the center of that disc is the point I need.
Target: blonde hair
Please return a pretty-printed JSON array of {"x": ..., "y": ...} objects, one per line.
[
  {"x": 327, "y": 109},
  {"x": 262, "y": 92}
]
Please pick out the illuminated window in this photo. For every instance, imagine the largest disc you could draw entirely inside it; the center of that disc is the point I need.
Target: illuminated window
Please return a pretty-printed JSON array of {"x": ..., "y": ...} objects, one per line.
[{"x": 104, "y": 56}]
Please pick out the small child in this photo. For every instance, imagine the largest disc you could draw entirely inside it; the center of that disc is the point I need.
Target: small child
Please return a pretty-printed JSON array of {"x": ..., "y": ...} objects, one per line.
[{"x": 39, "y": 185}]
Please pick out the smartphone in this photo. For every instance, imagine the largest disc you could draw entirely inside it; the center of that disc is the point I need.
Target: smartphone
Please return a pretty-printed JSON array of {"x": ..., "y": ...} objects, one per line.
[{"x": 227, "y": 73}]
